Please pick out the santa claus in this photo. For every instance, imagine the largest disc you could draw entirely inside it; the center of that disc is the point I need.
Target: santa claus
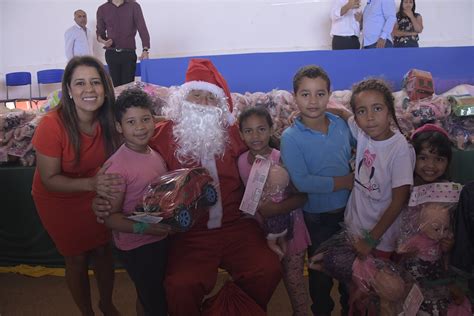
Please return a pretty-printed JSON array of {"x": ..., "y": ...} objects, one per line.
[{"x": 199, "y": 131}]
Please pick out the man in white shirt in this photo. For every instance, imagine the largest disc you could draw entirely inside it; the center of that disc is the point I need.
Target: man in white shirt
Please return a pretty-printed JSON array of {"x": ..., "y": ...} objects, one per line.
[
  {"x": 345, "y": 24},
  {"x": 78, "y": 38}
]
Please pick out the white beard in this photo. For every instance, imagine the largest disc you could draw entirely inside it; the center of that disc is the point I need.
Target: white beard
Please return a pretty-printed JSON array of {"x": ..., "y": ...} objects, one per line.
[{"x": 200, "y": 133}]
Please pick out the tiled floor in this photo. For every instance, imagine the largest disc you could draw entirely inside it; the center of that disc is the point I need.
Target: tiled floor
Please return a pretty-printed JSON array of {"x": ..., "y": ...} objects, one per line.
[{"x": 48, "y": 296}]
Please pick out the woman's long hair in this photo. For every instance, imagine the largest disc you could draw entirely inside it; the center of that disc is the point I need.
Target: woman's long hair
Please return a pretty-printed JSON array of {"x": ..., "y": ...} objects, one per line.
[
  {"x": 400, "y": 12},
  {"x": 105, "y": 115}
]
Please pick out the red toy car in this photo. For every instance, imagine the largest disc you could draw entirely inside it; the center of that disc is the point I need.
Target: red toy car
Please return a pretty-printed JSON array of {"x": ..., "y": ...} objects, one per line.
[{"x": 180, "y": 197}]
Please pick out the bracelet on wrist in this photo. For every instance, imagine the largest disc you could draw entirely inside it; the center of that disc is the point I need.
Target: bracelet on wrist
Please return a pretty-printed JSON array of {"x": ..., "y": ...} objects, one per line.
[
  {"x": 369, "y": 240},
  {"x": 139, "y": 228}
]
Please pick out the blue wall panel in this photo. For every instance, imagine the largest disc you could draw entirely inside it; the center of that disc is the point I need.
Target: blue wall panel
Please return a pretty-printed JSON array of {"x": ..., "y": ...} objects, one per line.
[{"x": 450, "y": 66}]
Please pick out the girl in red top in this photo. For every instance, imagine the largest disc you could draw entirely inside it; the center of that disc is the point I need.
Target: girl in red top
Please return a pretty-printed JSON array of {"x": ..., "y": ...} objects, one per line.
[{"x": 71, "y": 144}]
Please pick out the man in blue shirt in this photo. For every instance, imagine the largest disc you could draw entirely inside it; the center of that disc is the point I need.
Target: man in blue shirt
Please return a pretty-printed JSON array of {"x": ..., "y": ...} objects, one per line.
[{"x": 378, "y": 21}]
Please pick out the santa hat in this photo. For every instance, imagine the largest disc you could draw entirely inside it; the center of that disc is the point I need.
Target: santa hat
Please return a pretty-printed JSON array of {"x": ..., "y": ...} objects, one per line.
[
  {"x": 429, "y": 128},
  {"x": 203, "y": 75}
]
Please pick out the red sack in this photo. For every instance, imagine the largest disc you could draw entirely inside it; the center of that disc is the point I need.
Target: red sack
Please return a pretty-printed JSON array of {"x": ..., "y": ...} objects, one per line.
[{"x": 231, "y": 301}]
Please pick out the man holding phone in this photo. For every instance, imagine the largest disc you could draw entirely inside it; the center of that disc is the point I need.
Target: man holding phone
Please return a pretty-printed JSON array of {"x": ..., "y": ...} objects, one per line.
[{"x": 345, "y": 24}]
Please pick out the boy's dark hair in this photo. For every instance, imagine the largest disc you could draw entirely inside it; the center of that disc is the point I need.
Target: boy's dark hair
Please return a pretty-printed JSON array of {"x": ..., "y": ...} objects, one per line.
[
  {"x": 436, "y": 142},
  {"x": 129, "y": 98},
  {"x": 310, "y": 71},
  {"x": 261, "y": 112},
  {"x": 378, "y": 85}
]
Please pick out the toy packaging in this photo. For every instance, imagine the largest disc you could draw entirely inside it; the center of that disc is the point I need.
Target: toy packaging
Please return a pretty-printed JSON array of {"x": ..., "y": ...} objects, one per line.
[
  {"x": 278, "y": 228},
  {"x": 427, "y": 110},
  {"x": 461, "y": 131},
  {"x": 275, "y": 190},
  {"x": 269, "y": 181},
  {"x": 462, "y": 105},
  {"x": 178, "y": 198},
  {"x": 418, "y": 84},
  {"x": 335, "y": 257},
  {"x": 16, "y": 131},
  {"x": 52, "y": 101},
  {"x": 378, "y": 287},
  {"x": 426, "y": 223},
  {"x": 256, "y": 182},
  {"x": 158, "y": 94}
]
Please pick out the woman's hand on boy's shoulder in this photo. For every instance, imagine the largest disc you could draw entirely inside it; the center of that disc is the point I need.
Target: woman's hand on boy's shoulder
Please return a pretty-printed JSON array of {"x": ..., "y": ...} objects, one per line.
[
  {"x": 342, "y": 113},
  {"x": 293, "y": 117},
  {"x": 105, "y": 184}
]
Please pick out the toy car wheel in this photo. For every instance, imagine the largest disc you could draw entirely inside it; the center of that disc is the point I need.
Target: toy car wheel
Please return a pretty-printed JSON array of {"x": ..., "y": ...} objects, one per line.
[
  {"x": 209, "y": 194},
  {"x": 184, "y": 218}
]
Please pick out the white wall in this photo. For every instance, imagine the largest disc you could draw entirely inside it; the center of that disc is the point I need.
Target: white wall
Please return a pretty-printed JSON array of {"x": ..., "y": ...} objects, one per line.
[
  {"x": 2, "y": 27},
  {"x": 31, "y": 35}
]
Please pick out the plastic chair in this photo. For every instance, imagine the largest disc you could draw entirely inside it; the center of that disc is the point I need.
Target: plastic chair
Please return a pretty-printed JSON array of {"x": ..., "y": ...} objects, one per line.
[
  {"x": 48, "y": 76},
  {"x": 21, "y": 78}
]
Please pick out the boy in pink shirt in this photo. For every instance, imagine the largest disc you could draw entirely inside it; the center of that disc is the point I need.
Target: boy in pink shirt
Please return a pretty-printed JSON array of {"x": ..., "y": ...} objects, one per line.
[{"x": 141, "y": 247}]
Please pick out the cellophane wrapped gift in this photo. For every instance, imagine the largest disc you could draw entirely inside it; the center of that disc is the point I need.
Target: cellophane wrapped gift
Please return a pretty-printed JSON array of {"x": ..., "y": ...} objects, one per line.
[
  {"x": 180, "y": 197},
  {"x": 52, "y": 101},
  {"x": 275, "y": 190},
  {"x": 16, "y": 131},
  {"x": 158, "y": 94},
  {"x": 425, "y": 224},
  {"x": 462, "y": 105},
  {"x": 378, "y": 287},
  {"x": 418, "y": 84}
]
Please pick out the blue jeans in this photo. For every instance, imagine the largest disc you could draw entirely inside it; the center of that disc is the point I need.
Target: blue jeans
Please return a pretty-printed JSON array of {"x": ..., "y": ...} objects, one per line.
[{"x": 321, "y": 226}]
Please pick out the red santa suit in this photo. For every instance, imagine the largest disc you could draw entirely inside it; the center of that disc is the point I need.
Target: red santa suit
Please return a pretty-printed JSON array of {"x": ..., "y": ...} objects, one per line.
[{"x": 237, "y": 244}]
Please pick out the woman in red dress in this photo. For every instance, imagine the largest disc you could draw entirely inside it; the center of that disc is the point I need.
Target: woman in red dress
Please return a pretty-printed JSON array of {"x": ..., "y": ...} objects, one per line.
[{"x": 72, "y": 142}]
